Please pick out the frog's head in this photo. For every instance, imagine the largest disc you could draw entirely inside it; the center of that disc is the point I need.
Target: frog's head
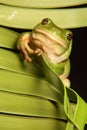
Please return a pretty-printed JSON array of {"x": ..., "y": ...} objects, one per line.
[
  {"x": 56, "y": 38},
  {"x": 47, "y": 25}
]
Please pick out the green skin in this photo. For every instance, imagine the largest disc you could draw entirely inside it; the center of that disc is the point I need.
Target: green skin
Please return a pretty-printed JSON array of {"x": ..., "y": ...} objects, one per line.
[{"x": 48, "y": 39}]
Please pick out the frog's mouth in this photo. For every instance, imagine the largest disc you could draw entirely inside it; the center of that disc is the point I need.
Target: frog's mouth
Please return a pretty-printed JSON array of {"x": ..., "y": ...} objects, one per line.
[{"x": 51, "y": 37}]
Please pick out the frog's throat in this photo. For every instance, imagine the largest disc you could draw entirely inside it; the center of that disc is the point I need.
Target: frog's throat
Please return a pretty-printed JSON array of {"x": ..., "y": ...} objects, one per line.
[{"x": 53, "y": 38}]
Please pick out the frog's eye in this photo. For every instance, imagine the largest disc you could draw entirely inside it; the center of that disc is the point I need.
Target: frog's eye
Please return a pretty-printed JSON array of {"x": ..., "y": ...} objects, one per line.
[
  {"x": 44, "y": 21},
  {"x": 69, "y": 36}
]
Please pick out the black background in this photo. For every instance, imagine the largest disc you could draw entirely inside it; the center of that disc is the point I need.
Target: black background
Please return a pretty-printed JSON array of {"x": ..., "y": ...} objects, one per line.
[{"x": 78, "y": 59}]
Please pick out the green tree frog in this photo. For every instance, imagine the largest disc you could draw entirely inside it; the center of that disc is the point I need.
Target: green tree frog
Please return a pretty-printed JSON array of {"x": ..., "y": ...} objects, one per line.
[{"x": 51, "y": 40}]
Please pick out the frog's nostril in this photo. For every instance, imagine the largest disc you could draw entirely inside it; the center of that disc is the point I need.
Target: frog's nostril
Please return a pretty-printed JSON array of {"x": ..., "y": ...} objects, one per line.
[{"x": 44, "y": 21}]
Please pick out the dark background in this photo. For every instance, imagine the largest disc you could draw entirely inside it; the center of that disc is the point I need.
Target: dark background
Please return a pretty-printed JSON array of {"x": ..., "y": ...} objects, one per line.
[{"x": 78, "y": 58}]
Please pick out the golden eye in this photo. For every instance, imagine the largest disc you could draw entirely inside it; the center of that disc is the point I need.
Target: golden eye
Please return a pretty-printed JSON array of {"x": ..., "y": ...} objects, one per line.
[
  {"x": 44, "y": 21},
  {"x": 69, "y": 36}
]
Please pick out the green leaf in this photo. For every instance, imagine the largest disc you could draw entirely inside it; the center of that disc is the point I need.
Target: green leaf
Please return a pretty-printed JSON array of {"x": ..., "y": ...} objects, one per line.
[
  {"x": 21, "y": 17},
  {"x": 43, "y": 3}
]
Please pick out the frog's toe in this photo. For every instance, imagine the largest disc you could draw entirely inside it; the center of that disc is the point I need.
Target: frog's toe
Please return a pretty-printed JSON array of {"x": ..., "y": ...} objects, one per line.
[
  {"x": 25, "y": 54},
  {"x": 38, "y": 52},
  {"x": 28, "y": 59},
  {"x": 29, "y": 50},
  {"x": 67, "y": 83}
]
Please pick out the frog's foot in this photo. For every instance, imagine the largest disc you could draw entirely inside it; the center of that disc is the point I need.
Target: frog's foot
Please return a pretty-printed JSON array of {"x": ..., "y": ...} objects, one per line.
[{"x": 66, "y": 82}]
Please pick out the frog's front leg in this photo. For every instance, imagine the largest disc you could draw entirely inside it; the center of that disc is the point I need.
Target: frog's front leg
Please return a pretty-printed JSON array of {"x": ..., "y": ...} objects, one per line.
[{"x": 23, "y": 45}]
